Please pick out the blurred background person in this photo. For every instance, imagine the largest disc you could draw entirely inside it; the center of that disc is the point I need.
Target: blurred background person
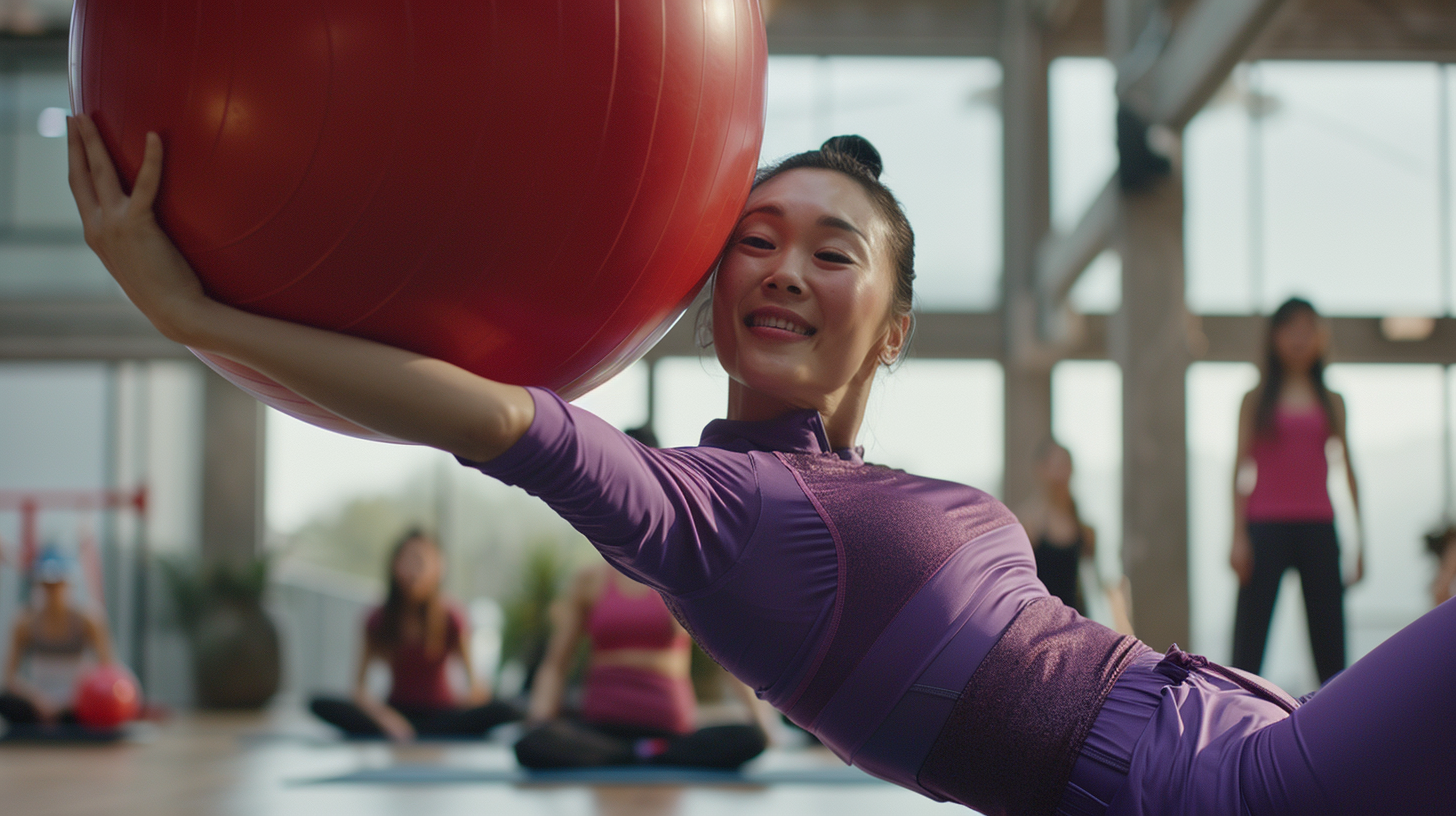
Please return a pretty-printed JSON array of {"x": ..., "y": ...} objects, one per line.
[
  {"x": 48, "y": 647},
  {"x": 416, "y": 632},
  {"x": 1442, "y": 544},
  {"x": 1059, "y": 538},
  {"x": 1285, "y": 518},
  {"x": 637, "y": 700}
]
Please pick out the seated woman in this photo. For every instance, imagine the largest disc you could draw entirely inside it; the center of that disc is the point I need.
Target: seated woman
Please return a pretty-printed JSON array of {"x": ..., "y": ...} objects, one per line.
[
  {"x": 50, "y": 642},
  {"x": 637, "y": 703},
  {"x": 416, "y": 632}
]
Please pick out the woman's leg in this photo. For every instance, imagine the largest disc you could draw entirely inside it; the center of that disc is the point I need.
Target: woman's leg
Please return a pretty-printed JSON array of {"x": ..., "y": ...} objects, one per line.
[
  {"x": 719, "y": 746},
  {"x": 1379, "y": 738},
  {"x": 17, "y": 710},
  {"x": 1255, "y": 606},
  {"x": 344, "y": 715},
  {"x": 466, "y": 722},
  {"x": 563, "y": 744},
  {"x": 1318, "y": 559}
]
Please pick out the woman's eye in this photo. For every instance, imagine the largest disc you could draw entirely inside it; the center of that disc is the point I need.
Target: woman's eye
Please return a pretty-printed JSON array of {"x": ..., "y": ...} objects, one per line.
[
  {"x": 756, "y": 242},
  {"x": 833, "y": 257}
]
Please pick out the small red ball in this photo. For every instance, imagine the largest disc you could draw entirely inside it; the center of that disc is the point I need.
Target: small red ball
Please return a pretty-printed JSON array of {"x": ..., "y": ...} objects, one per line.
[{"x": 107, "y": 697}]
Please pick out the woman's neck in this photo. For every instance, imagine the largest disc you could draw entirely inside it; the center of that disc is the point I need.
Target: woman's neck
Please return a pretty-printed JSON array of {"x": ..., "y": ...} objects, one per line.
[{"x": 841, "y": 413}]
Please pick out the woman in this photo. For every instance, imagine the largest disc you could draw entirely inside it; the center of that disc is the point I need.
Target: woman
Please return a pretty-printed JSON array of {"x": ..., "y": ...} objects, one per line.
[
  {"x": 1059, "y": 539},
  {"x": 1442, "y": 544},
  {"x": 50, "y": 642},
  {"x": 1287, "y": 519},
  {"x": 417, "y": 632},
  {"x": 898, "y": 618},
  {"x": 637, "y": 703}
]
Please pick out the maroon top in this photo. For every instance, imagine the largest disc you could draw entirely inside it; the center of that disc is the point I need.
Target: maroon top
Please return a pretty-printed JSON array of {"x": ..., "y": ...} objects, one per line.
[
  {"x": 1293, "y": 471},
  {"x": 418, "y": 680}
]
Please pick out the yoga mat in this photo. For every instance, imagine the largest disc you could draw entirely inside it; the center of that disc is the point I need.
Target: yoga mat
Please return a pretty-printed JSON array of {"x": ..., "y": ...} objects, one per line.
[
  {"x": 617, "y": 775},
  {"x": 63, "y": 734}
]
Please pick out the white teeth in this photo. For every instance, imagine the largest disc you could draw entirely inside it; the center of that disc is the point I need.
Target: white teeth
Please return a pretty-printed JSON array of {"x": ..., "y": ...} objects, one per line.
[{"x": 780, "y": 323}]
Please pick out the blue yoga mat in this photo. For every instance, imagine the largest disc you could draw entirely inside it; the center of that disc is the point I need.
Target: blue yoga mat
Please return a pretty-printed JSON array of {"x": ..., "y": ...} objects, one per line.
[{"x": 621, "y": 775}]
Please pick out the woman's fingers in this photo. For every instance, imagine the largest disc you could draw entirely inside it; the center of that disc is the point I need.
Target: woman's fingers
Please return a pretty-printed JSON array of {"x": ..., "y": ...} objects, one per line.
[
  {"x": 149, "y": 177},
  {"x": 103, "y": 172},
  {"x": 80, "y": 170}
]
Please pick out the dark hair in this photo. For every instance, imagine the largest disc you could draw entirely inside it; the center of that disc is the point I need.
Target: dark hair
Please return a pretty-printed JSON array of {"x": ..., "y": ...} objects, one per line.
[
  {"x": 1439, "y": 539},
  {"x": 396, "y": 602},
  {"x": 856, "y": 158},
  {"x": 1271, "y": 380}
]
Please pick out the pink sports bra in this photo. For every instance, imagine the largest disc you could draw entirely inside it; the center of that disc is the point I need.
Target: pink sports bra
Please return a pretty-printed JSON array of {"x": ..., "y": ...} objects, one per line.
[{"x": 620, "y": 621}]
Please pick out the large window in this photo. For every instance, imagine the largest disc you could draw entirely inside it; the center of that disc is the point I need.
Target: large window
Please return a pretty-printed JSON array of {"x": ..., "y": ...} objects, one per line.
[{"x": 1327, "y": 180}]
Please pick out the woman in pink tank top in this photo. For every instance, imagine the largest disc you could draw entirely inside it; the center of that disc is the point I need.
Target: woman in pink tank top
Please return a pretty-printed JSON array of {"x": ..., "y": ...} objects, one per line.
[
  {"x": 1286, "y": 519},
  {"x": 637, "y": 701}
]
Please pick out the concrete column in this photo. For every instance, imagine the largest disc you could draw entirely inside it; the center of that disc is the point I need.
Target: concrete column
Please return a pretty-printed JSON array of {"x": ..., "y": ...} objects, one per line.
[
  {"x": 232, "y": 471},
  {"x": 1026, "y": 137},
  {"x": 1149, "y": 339}
]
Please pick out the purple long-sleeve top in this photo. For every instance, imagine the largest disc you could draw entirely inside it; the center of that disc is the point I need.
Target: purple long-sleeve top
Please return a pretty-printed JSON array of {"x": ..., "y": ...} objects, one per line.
[{"x": 748, "y": 556}]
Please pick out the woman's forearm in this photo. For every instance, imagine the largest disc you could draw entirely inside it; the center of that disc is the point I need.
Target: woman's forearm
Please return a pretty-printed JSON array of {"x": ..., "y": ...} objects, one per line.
[{"x": 388, "y": 390}]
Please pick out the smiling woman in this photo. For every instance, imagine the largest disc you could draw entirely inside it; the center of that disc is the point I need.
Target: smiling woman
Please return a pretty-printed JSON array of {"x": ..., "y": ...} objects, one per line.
[{"x": 898, "y": 618}]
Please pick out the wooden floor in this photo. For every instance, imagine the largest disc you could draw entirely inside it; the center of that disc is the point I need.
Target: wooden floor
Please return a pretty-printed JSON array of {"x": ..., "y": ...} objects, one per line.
[{"x": 252, "y": 765}]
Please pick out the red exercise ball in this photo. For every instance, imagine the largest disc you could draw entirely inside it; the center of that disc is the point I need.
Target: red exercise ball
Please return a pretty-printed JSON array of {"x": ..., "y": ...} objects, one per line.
[
  {"x": 107, "y": 697},
  {"x": 533, "y": 191}
]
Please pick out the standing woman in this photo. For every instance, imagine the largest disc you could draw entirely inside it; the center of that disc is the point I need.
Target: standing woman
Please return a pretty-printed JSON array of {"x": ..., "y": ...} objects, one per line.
[
  {"x": 898, "y": 618},
  {"x": 416, "y": 632},
  {"x": 1059, "y": 539},
  {"x": 1287, "y": 520}
]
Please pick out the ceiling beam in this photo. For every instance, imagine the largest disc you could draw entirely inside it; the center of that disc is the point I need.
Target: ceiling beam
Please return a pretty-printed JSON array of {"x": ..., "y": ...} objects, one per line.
[{"x": 1202, "y": 51}]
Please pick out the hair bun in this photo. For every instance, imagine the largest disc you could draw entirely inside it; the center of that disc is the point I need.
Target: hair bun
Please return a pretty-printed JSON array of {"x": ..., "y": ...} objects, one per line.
[{"x": 857, "y": 148}]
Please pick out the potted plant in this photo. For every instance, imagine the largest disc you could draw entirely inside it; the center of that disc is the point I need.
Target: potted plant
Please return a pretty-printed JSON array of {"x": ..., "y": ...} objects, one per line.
[{"x": 236, "y": 660}]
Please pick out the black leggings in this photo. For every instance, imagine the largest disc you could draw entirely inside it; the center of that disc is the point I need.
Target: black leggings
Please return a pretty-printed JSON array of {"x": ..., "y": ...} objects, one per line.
[
  {"x": 453, "y": 722},
  {"x": 568, "y": 744},
  {"x": 1311, "y": 548},
  {"x": 17, "y": 710}
]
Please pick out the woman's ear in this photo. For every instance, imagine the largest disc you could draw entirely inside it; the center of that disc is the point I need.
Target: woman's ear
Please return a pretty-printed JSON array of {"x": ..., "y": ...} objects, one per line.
[{"x": 896, "y": 334}]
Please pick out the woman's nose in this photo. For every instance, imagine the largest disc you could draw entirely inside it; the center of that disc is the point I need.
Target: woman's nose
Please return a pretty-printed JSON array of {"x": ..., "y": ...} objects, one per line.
[{"x": 786, "y": 278}]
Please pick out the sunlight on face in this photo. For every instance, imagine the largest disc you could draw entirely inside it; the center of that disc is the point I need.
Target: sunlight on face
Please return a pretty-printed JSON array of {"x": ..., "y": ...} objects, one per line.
[{"x": 802, "y": 300}]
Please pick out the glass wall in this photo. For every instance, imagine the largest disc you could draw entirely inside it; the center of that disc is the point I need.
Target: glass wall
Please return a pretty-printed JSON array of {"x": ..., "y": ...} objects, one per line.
[
  {"x": 1326, "y": 180},
  {"x": 41, "y": 252}
]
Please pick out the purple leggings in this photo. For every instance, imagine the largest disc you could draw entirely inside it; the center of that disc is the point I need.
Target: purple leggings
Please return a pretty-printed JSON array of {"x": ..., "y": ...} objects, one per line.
[{"x": 1379, "y": 738}]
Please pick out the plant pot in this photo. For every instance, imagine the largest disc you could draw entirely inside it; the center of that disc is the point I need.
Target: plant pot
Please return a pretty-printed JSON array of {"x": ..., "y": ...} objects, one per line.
[{"x": 236, "y": 661}]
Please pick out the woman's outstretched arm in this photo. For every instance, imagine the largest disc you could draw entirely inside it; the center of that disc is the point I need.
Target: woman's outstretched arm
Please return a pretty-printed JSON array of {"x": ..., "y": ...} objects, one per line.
[{"x": 394, "y": 392}]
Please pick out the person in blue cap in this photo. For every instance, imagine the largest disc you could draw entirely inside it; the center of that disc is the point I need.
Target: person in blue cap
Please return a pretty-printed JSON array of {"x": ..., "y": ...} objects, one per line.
[{"x": 49, "y": 641}]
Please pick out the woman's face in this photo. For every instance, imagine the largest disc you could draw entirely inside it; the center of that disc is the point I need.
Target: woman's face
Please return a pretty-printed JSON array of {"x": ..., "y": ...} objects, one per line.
[
  {"x": 801, "y": 307},
  {"x": 418, "y": 568},
  {"x": 1056, "y": 466},
  {"x": 1299, "y": 341}
]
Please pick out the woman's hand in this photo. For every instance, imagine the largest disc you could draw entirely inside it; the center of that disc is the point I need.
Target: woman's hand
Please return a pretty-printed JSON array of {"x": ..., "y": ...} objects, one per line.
[
  {"x": 392, "y": 723},
  {"x": 1241, "y": 557},
  {"x": 123, "y": 232}
]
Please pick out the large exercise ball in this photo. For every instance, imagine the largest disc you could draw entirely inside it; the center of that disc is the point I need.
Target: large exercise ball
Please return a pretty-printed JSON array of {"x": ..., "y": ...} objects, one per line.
[{"x": 531, "y": 190}]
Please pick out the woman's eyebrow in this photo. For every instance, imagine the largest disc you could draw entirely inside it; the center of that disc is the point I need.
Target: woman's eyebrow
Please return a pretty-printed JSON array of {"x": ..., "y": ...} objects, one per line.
[{"x": 831, "y": 221}]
